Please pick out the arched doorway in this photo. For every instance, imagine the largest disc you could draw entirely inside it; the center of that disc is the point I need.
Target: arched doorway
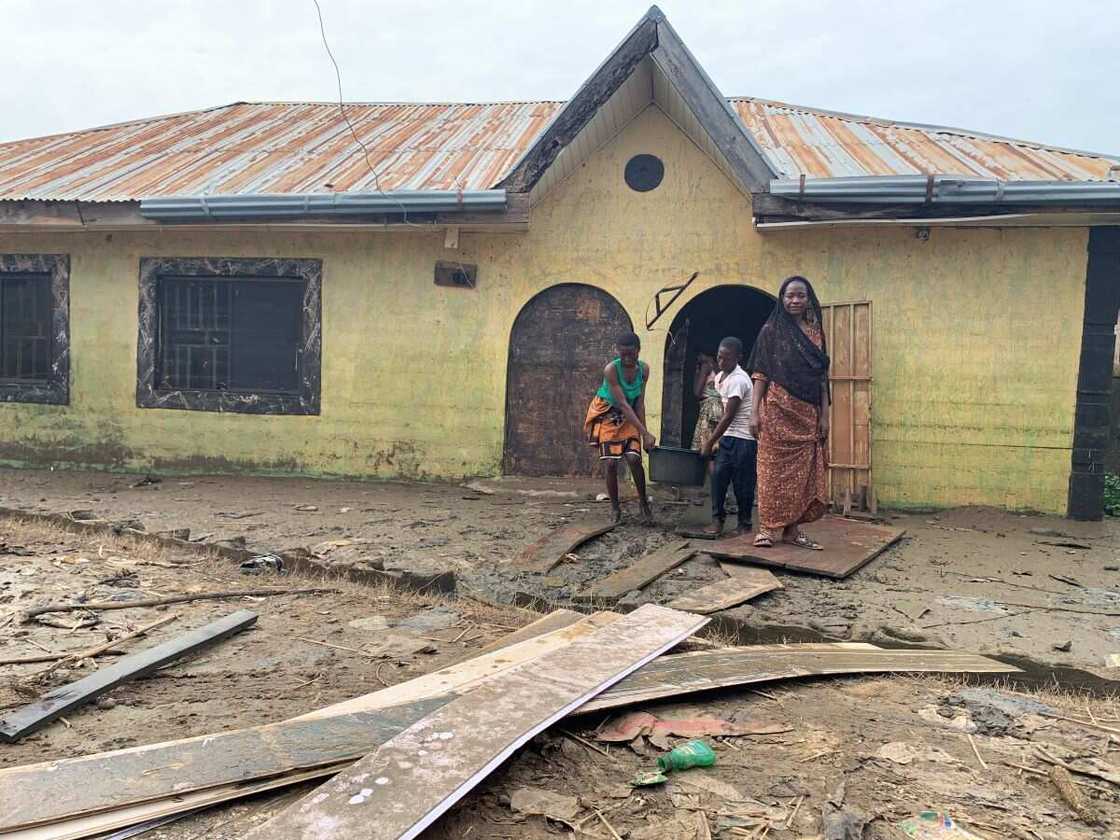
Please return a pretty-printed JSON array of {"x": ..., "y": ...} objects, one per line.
[
  {"x": 558, "y": 346},
  {"x": 698, "y": 328}
]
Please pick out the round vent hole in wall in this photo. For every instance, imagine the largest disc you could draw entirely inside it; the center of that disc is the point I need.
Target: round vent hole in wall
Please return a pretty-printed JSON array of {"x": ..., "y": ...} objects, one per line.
[{"x": 644, "y": 172}]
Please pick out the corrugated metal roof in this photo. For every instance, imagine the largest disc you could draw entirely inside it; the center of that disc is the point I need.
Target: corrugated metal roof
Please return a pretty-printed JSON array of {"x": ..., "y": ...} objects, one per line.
[
  {"x": 277, "y": 148},
  {"x": 307, "y": 148},
  {"x": 824, "y": 144}
]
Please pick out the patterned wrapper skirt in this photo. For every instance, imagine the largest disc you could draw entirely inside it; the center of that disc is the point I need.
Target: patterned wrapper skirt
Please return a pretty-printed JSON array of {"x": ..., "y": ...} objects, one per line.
[
  {"x": 607, "y": 428},
  {"x": 711, "y": 412},
  {"x": 792, "y": 462}
]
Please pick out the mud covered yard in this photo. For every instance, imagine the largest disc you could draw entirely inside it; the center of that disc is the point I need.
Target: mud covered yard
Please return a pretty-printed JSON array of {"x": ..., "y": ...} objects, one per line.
[
  {"x": 958, "y": 578},
  {"x": 883, "y": 748}
]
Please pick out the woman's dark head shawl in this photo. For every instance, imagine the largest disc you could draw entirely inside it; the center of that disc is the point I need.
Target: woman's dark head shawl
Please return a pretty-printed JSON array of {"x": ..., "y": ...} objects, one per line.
[{"x": 784, "y": 354}]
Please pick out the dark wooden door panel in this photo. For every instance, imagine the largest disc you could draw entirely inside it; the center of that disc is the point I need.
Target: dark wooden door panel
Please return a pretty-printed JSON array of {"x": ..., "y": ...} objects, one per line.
[{"x": 560, "y": 342}]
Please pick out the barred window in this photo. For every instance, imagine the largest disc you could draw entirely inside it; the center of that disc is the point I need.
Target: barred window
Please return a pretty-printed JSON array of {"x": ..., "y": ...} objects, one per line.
[
  {"x": 230, "y": 334},
  {"x": 25, "y": 327}
]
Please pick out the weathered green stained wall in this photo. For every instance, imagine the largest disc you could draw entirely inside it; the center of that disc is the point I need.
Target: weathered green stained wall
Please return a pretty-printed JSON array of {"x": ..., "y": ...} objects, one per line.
[{"x": 976, "y": 335}]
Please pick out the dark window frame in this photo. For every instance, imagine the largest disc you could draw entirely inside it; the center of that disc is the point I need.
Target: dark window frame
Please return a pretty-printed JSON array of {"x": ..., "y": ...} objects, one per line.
[
  {"x": 54, "y": 389},
  {"x": 304, "y": 401}
]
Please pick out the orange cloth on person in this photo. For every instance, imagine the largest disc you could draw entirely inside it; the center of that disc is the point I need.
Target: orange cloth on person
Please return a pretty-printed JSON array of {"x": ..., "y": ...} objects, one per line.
[
  {"x": 792, "y": 458},
  {"x": 607, "y": 428}
]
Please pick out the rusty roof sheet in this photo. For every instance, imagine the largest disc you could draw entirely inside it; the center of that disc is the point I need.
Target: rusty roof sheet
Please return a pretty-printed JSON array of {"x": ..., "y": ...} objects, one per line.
[
  {"x": 278, "y": 148},
  {"x": 824, "y": 144},
  {"x": 297, "y": 147}
]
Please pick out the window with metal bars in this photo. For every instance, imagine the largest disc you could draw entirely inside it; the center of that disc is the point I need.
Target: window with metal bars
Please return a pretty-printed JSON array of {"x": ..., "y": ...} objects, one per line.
[
  {"x": 230, "y": 334},
  {"x": 26, "y": 349}
]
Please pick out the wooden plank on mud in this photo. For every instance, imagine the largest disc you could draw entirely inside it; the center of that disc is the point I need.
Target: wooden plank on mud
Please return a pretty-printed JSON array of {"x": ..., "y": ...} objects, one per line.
[
  {"x": 741, "y": 584},
  {"x": 684, "y": 673},
  {"x": 404, "y": 786},
  {"x": 545, "y": 554},
  {"x": 58, "y": 701},
  {"x": 121, "y": 778},
  {"x": 640, "y": 573},
  {"x": 555, "y": 620},
  {"x": 848, "y": 546},
  {"x": 95, "y": 825}
]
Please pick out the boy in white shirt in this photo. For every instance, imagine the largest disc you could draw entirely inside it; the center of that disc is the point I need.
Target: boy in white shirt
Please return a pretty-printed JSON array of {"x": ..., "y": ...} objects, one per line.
[{"x": 736, "y": 447}]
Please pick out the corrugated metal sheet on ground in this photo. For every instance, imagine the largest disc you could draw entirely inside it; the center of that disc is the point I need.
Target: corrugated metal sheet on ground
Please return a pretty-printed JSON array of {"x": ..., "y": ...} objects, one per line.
[
  {"x": 822, "y": 144},
  {"x": 308, "y": 148}
]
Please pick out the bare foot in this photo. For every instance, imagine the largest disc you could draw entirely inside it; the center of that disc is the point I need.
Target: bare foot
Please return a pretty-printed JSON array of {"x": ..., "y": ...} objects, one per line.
[
  {"x": 616, "y": 515},
  {"x": 647, "y": 514}
]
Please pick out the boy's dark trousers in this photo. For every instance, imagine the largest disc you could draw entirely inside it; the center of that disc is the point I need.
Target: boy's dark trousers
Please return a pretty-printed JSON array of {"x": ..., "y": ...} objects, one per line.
[{"x": 735, "y": 465}]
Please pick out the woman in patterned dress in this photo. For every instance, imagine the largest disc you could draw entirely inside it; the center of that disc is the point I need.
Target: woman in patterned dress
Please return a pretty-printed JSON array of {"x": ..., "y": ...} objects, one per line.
[{"x": 789, "y": 366}]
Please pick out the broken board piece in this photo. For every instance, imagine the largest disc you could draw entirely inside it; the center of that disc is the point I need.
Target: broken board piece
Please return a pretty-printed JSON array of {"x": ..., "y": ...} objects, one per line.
[
  {"x": 61, "y": 791},
  {"x": 640, "y": 573},
  {"x": 404, "y": 786},
  {"x": 545, "y": 554},
  {"x": 684, "y": 673},
  {"x": 58, "y": 701},
  {"x": 94, "y": 825},
  {"x": 848, "y": 546},
  {"x": 121, "y": 778},
  {"x": 741, "y": 584}
]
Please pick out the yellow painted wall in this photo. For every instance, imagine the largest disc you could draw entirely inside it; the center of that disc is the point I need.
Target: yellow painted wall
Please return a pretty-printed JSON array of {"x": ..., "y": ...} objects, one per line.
[{"x": 977, "y": 335}]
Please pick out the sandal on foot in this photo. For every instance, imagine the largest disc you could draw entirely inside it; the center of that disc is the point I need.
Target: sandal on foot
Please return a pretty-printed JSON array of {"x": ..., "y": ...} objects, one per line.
[
  {"x": 805, "y": 541},
  {"x": 763, "y": 540}
]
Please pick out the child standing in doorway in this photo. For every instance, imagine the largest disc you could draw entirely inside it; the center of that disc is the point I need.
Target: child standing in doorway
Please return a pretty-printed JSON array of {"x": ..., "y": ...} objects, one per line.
[{"x": 616, "y": 421}]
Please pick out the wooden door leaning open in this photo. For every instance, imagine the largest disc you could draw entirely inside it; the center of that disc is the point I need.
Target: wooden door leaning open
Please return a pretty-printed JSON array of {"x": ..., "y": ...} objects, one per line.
[{"x": 847, "y": 327}]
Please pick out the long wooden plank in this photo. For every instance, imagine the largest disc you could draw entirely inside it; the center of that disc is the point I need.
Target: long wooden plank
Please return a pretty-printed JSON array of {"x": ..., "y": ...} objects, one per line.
[
  {"x": 640, "y": 573},
  {"x": 467, "y": 674},
  {"x": 555, "y": 620},
  {"x": 123, "y": 777},
  {"x": 741, "y": 584},
  {"x": 95, "y": 825},
  {"x": 848, "y": 546},
  {"x": 545, "y": 554},
  {"x": 401, "y": 788},
  {"x": 684, "y": 673},
  {"x": 58, "y": 701},
  {"x": 228, "y": 757}
]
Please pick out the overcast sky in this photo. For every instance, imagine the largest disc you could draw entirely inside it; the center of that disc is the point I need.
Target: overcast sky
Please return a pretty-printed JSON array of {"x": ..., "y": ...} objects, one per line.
[{"x": 1043, "y": 70}]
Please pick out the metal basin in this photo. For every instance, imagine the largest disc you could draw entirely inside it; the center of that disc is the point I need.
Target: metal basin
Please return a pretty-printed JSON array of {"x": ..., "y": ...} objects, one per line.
[{"x": 670, "y": 465}]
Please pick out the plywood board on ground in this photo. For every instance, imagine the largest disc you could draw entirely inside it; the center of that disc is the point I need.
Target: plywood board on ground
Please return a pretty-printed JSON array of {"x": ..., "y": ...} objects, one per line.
[
  {"x": 848, "y": 546},
  {"x": 546, "y": 553},
  {"x": 401, "y": 788},
  {"x": 683, "y": 673},
  {"x": 122, "y": 778},
  {"x": 741, "y": 584},
  {"x": 641, "y": 572}
]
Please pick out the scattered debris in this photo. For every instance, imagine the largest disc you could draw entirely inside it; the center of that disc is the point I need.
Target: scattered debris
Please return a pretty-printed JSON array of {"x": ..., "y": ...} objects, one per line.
[
  {"x": 741, "y": 584},
  {"x": 544, "y": 803},
  {"x": 693, "y": 754},
  {"x": 55, "y": 703},
  {"x": 29, "y": 614},
  {"x": 262, "y": 564},
  {"x": 637, "y": 724},
  {"x": 640, "y": 573},
  {"x": 931, "y": 825},
  {"x": 1075, "y": 799}
]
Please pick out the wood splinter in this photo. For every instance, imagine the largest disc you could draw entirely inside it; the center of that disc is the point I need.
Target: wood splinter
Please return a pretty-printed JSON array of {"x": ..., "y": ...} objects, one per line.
[{"x": 1075, "y": 799}]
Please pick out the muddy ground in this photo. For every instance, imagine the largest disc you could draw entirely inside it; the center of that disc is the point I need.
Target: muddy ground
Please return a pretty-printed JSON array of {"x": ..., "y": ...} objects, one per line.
[
  {"x": 886, "y": 747},
  {"x": 973, "y": 578}
]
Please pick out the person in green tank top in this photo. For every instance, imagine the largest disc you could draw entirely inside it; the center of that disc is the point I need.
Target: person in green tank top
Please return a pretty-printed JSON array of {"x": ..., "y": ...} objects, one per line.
[{"x": 616, "y": 421}]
